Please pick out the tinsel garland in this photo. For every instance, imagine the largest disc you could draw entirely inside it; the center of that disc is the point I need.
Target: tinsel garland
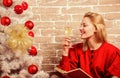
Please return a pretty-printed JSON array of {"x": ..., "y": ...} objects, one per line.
[{"x": 18, "y": 38}]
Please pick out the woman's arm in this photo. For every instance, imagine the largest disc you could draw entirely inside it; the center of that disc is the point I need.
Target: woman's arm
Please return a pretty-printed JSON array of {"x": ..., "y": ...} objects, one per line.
[
  {"x": 69, "y": 56},
  {"x": 114, "y": 68},
  {"x": 69, "y": 62}
]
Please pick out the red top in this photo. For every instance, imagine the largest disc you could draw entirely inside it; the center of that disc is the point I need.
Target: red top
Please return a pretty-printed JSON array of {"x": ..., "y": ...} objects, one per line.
[{"x": 101, "y": 63}]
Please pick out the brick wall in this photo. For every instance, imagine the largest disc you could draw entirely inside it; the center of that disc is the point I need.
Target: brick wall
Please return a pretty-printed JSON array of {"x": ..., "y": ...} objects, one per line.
[{"x": 52, "y": 16}]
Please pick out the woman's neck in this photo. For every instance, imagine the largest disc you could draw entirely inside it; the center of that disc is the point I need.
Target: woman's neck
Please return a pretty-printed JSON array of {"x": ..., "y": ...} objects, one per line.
[{"x": 93, "y": 44}]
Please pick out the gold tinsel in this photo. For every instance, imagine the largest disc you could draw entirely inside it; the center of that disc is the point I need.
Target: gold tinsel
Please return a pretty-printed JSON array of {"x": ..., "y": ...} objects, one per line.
[{"x": 18, "y": 38}]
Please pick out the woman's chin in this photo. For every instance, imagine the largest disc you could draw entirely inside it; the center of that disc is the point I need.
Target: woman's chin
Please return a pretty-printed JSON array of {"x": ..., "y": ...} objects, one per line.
[{"x": 83, "y": 37}]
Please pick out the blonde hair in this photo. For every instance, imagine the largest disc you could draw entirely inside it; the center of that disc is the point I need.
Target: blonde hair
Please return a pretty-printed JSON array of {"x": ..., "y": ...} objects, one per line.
[{"x": 99, "y": 24}]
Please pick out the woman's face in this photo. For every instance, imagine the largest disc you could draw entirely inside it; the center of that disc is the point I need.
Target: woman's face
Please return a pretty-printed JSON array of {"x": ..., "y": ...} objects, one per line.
[{"x": 87, "y": 29}]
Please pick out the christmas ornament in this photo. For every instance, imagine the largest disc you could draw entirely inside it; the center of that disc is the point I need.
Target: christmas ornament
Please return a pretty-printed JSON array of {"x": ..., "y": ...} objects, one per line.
[
  {"x": 7, "y": 3},
  {"x": 30, "y": 33},
  {"x": 33, "y": 51},
  {"x": 29, "y": 24},
  {"x": 18, "y": 9},
  {"x": 32, "y": 69},
  {"x": 24, "y": 5},
  {"x": 5, "y": 77},
  {"x": 5, "y": 21},
  {"x": 18, "y": 38}
]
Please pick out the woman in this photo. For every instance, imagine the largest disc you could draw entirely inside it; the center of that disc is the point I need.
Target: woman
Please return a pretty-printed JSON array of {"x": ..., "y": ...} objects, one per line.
[{"x": 95, "y": 55}]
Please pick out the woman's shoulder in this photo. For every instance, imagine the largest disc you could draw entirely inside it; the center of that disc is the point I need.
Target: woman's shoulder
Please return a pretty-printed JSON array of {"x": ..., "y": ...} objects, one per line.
[{"x": 110, "y": 46}]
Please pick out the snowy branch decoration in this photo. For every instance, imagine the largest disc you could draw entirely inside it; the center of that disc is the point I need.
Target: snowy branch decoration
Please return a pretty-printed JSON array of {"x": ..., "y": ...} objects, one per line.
[{"x": 18, "y": 57}]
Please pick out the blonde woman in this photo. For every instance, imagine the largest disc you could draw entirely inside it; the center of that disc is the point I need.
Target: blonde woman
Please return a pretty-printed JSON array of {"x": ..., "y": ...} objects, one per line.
[{"x": 95, "y": 55}]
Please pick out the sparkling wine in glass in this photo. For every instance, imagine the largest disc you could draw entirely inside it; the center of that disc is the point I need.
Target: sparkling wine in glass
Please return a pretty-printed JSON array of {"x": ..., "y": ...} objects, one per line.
[{"x": 68, "y": 31}]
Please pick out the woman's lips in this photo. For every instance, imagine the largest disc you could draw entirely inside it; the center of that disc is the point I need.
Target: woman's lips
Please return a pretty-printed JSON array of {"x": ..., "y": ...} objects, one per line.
[{"x": 82, "y": 32}]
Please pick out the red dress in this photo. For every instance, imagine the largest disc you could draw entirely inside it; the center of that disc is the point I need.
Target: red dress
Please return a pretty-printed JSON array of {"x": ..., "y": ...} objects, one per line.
[{"x": 101, "y": 63}]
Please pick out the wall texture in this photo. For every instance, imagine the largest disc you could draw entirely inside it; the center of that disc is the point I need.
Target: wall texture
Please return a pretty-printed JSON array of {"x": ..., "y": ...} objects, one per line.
[{"x": 52, "y": 16}]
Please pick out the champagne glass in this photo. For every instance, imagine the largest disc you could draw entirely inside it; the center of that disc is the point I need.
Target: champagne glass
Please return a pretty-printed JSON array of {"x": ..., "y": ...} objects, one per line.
[{"x": 68, "y": 33}]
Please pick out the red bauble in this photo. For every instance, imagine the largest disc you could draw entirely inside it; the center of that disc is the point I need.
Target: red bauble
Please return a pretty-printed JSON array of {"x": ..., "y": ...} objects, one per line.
[
  {"x": 18, "y": 9},
  {"x": 29, "y": 24},
  {"x": 30, "y": 33},
  {"x": 24, "y": 5},
  {"x": 33, "y": 51},
  {"x": 5, "y": 77},
  {"x": 32, "y": 69},
  {"x": 7, "y": 3},
  {"x": 5, "y": 21}
]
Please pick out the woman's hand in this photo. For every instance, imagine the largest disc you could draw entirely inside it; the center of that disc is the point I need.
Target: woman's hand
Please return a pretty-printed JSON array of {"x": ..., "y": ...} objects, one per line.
[
  {"x": 66, "y": 46},
  {"x": 114, "y": 77}
]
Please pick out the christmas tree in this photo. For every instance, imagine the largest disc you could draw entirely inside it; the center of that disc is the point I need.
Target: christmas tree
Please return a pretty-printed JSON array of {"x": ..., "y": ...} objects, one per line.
[{"x": 18, "y": 56}]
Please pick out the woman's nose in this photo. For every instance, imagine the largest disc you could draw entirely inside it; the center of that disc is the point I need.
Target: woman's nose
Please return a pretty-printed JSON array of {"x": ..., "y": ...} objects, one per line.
[
  {"x": 81, "y": 27},
  {"x": 81, "y": 30}
]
